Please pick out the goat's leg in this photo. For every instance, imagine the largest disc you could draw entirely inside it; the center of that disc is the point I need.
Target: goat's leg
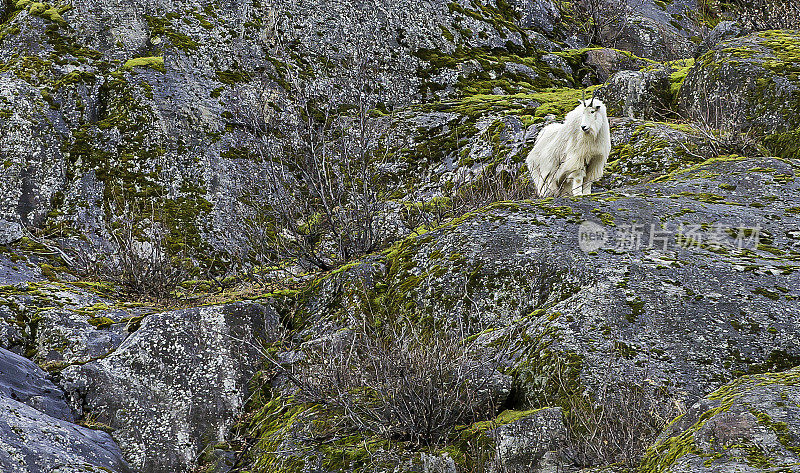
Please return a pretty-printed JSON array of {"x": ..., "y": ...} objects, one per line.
[{"x": 577, "y": 178}]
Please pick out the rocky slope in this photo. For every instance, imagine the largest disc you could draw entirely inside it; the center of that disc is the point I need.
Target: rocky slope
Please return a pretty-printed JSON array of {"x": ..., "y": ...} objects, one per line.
[{"x": 667, "y": 294}]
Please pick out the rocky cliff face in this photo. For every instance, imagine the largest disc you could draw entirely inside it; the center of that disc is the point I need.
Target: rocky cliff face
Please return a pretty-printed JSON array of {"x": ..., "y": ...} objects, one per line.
[{"x": 570, "y": 331}]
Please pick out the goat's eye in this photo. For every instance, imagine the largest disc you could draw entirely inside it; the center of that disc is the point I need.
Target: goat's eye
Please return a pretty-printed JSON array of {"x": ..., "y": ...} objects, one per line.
[{"x": 592, "y": 111}]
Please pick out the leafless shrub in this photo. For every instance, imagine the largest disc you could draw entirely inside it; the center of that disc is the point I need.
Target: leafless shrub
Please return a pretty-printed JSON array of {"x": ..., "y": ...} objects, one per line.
[
  {"x": 319, "y": 198},
  {"x": 718, "y": 120},
  {"x": 133, "y": 252},
  {"x": 401, "y": 382},
  {"x": 495, "y": 182},
  {"x": 603, "y": 21},
  {"x": 759, "y": 15},
  {"x": 616, "y": 424},
  {"x": 142, "y": 264}
]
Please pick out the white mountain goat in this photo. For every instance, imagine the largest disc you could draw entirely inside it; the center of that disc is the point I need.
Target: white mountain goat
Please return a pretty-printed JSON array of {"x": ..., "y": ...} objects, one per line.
[{"x": 568, "y": 157}]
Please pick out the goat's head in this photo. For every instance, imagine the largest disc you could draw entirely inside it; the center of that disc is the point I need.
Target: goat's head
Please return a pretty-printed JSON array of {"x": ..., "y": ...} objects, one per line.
[{"x": 594, "y": 115}]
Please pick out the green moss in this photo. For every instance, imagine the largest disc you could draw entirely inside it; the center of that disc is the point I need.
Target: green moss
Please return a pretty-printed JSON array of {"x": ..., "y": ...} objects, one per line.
[
  {"x": 351, "y": 453},
  {"x": 767, "y": 293},
  {"x": 37, "y": 8},
  {"x": 676, "y": 78},
  {"x": 156, "y": 63},
  {"x": 163, "y": 27},
  {"x": 605, "y": 217},
  {"x": 49, "y": 272},
  {"x": 447, "y": 34},
  {"x": 559, "y": 102},
  {"x": 273, "y": 424},
  {"x": 471, "y": 447},
  {"x": 101, "y": 322},
  {"x": 493, "y": 72},
  {"x": 785, "y": 145},
  {"x": 216, "y": 93},
  {"x": 637, "y": 309},
  {"x": 232, "y": 77}
]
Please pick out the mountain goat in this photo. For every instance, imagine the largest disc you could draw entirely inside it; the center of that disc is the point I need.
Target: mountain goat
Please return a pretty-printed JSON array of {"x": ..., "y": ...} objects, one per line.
[{"x": 568, "y": 157}]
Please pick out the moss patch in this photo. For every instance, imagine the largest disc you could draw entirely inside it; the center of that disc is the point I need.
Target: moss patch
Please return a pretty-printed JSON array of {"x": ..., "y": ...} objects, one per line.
[{"x": 156, "y": 63}]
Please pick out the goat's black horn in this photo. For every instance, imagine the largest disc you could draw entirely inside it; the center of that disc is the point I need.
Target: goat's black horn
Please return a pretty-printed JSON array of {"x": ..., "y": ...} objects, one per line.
[{"x": 591, "y": 104}]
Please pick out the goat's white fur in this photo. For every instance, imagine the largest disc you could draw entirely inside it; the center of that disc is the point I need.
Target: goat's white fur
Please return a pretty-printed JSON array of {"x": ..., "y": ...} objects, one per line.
[{"x": 568, "y": 157}]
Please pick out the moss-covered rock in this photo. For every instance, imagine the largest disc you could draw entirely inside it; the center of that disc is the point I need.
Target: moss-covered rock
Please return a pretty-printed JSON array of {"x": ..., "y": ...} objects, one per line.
[
  {"x": 747, "y": 84},
  {"x": 643, "y": 150},
  {"x": 177, "y": 385},
  {"x": 750, "y": 424}
]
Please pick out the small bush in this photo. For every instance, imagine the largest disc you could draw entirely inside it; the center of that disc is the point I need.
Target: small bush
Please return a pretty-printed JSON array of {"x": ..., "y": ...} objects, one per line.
[
  {"x": 400, "y": 382},
  {"x": 132, "y": 251}
]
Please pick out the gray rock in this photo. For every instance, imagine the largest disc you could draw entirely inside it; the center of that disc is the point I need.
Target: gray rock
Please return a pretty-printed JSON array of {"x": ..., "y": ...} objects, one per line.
[
  {"x": 607, "y": 62},
  {"x": 437, "y": 463},
  {"x": 66, "y": 336},
  {"x": 641, "y": 94},
  {"x": 23, "y": 381},
  {"x": 33, "y": 165},
  {"x": 724, "y": 31},
  {"x": 656, "y": 30},
  {"x": 642, "y": 151},
  {"x": 11, "y": 337},
  {"x": 677, "y": 298},
  {"x": 176, "y": 384},
  {"x": 75, "y": 125},
  {"x": 17, "y": 271},
  {"x": 31, "y": 324},
  {"x": 529, "y": 444},
  {"x": 10, "y": 232},
  {"x": 749, "y": 425},
  {"x": 33, "y": 442},
  {"x": 540, "y": 15},
  {"x": 526, "y": 72}
]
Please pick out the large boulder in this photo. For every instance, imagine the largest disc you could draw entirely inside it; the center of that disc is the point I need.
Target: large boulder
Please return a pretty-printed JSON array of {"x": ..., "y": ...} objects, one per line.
[
  {"x": 642, "y": 151},
  {"x": 68, "y": 336},
  {"x": 748, "y": 84},
  {"x": 653, "y": 29},
  {"x": 36, "y": 430},
  {"x": 33, "y": 442},
  {"x": 529, "y": 444},
  {"x": 10, "y": 232},
  {"x": 538, "y": 15},
  {"x": 606, "y": 62},
  {"x": 751, "y": 424},
  {"x": 629, "y": 305},
  {"x": 643, "y": 94},
  {"x": 70, "y": 333},
  {"x": 23, "y": 381},
  {"x": 34, "y": 167},
  {"x": 687, "y": 281},
  {"x": 723, "y": 31},
  {"x": 175, "y": 385}
]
